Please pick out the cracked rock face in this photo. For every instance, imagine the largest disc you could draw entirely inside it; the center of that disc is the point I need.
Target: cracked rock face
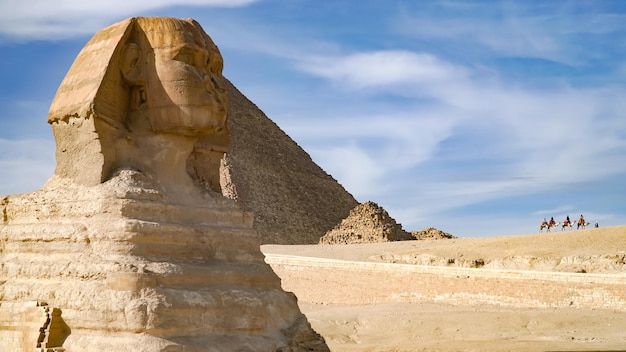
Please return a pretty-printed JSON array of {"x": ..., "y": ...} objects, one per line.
[{"x": 130, "y": 244}]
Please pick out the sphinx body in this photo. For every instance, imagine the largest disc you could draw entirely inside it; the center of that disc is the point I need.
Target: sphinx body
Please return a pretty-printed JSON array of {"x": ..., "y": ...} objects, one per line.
[{"x": 130, "y": 245}]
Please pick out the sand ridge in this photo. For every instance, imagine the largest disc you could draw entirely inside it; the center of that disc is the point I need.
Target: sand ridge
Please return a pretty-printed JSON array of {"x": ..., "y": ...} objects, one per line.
[{"x": 591, "y": 249}]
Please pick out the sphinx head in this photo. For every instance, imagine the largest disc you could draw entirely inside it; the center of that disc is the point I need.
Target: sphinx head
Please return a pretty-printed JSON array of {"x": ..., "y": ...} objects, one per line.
[
  {"x": 141, "y": 93},
  {"x": 174, "y": 68}
]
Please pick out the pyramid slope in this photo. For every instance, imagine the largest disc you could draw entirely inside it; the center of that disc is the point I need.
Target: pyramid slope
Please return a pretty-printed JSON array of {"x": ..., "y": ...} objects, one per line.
[{"x": 293, "y": 200}]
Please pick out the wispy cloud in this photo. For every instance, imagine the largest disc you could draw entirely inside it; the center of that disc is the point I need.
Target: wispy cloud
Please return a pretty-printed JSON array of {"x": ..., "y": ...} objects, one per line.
[
  {"x": 537, "y": 139},
  {"x": 42, "y": 19},
  {"x": 556, "y": 31},
  {"x": 550, "y": 212},
  {"x": 383, "y": 68}
]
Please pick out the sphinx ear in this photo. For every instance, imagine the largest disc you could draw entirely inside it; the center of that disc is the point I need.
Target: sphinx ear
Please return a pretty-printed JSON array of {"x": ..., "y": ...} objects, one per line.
[{"x": 130, "y": 64}]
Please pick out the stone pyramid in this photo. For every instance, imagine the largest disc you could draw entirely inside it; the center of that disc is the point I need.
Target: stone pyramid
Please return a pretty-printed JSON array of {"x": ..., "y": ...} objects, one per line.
[
  {"x": 130, "y": 245},
  {"x": 431, "y": 233},
  {"x": 367, "y": 223},
  {"x": 293, "y": 200}
]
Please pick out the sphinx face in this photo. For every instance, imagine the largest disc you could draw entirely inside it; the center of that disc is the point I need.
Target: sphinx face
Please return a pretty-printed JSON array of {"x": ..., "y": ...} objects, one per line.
[
  {"x": 143, "y": 94},
  {"x": 183, "y": 95}
]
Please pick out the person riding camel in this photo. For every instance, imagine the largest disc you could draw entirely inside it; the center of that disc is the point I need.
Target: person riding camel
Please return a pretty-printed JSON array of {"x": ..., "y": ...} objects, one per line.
[
  {"x": 552, "y": 222},
  {"x": 567, "y": 222},
  {"x": 581, "y": 221},
  {"x": 544, "y": 223}
]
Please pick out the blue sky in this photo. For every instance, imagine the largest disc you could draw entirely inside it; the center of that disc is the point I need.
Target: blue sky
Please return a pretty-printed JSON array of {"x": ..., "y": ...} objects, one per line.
[{"x": 479, "y": 118}]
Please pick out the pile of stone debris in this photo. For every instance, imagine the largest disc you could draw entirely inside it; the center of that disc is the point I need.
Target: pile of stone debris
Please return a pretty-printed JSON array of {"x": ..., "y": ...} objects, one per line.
[
  {"x": 431, "y": 233},
  {"x": 366, "y": 223}
]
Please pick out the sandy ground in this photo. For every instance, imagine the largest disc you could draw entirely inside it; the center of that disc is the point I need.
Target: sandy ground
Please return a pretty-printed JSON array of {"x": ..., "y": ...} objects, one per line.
[{"x": 428, "y": 326}]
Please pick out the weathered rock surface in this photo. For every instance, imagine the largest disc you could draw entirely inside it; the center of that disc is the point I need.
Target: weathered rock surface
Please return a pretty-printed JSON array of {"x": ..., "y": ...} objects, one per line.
[
  {"x": 293, "y": 200},
  {"x": 366, "y": 223},
  {"x": 131, "y": 270},
  {"x": 431, "y": 233},
  {"x": 130, "y": 246}
]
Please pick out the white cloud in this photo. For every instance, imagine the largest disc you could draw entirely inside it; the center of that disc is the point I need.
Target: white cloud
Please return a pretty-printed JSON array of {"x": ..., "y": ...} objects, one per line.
[
  {"x": 537, "y": 140},
  {"x": 416, "y": 133},
  {"x": 42, "y": 19},
  {"x": 550, "y": 212},
  {"x": 520, "y": 29},
  {"x": 379, "y": 68},
  {"x": 355, "y": 169},
  {"x": 365, "y": 152}
]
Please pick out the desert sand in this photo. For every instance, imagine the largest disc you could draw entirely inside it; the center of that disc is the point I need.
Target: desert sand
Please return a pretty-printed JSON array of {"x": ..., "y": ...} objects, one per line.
[{"x": 436, "y": 326}]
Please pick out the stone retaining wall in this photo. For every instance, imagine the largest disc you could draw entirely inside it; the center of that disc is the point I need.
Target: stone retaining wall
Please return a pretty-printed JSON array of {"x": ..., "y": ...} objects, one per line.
[{"x": 319, "y": 280}]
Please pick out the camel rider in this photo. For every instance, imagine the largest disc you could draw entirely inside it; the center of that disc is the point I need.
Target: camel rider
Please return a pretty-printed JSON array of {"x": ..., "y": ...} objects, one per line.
[
  {"x": 567, "y": 222},
  {"x": 552, "y": 222},
  {"x": 581, "y": 220},
  {"x": 545, "y": 222}
]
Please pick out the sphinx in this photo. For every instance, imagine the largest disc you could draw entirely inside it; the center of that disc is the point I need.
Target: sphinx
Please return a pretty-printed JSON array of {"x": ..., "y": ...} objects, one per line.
[
  {"x": 130, "y": 244},
  {"x": 145, "y": 94}
]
